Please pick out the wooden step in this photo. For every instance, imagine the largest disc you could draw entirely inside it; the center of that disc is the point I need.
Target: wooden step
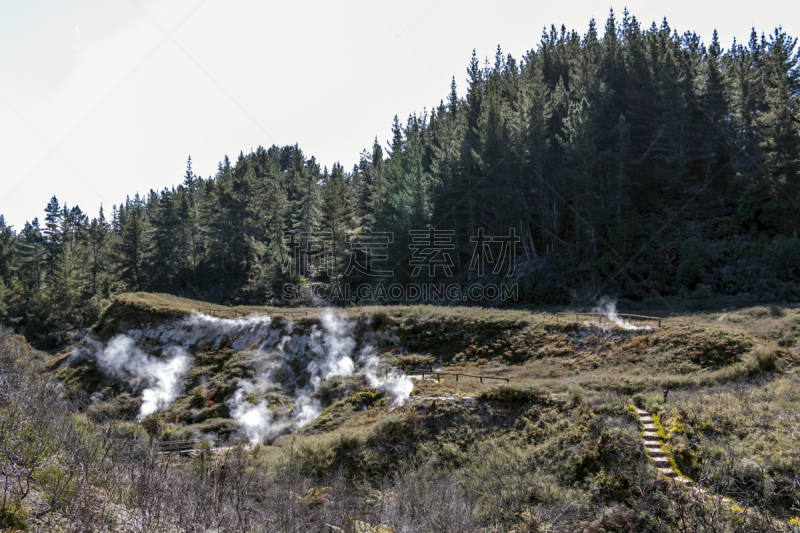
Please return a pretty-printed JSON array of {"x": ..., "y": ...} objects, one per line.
[
  {"x": 662, "y": 462},
  {"x": 668, "y": 472}
]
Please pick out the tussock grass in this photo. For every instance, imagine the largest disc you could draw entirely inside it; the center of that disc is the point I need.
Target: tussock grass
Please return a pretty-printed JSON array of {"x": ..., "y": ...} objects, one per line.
[{"x": 740, "y": 437}]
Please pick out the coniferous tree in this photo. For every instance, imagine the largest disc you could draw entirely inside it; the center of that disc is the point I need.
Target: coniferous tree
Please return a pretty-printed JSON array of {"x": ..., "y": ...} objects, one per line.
[
  {"x": 32, "y": 256},
  {"x": 597, "y": 150},
  {"x": 133, "y": 250},
  {"x": 99, "y": 236},
  {"x": 336, "y": 213},
  {"x": 777, "y": 187},
  {"x": 51, "y": 232},
  {"x": 189, "y": 214},
  {"x": 6, "y": 249}
]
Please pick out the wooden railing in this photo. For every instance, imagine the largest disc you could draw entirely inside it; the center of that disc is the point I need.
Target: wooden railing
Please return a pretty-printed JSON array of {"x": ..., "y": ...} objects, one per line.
[
  {"x": 289, "y": 314},
  {"x": 636, "y": 320},
  {"x": 222, "y": 312},
  {"x": 423, "y": 370},
  {"x": 177, "y": 446},
  {"x": 225, "y": 313}
]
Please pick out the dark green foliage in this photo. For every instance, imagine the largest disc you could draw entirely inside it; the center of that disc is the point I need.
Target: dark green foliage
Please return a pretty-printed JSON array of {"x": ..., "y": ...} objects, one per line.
[
  {"x": 693, "y": 260},
  {"x": 641, "y": 163},
  {"x": 221, "y": 427},
  {"x": 784, "y": 257}
]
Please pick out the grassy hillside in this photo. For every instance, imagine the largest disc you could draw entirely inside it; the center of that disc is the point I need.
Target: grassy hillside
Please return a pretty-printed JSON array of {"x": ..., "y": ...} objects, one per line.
[
  {"x": 557, "y": 447},
  {"x": 527, "y": 348}
]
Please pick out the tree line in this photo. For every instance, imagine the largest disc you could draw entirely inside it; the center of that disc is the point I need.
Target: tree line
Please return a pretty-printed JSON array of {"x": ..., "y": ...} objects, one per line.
[{"x": 628, "y": 161}]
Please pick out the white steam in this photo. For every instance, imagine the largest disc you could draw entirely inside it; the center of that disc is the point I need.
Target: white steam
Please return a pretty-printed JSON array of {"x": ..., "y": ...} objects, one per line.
[
  {"x": 256, "y": 420},
  {"x": 203, "y": 331},
  {"x": 160, "y": 377},
  {"x": 608, "y": 307},
  {"x": 399, "y": 387},
  {"x": 395, "y": 383},
  {"x": 326, "y": 351},
  {"x": 282, "y": 360}
]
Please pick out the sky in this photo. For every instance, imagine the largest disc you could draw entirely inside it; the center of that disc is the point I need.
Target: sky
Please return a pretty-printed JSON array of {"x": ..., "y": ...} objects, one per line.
[{"x": 100, "y": 99}]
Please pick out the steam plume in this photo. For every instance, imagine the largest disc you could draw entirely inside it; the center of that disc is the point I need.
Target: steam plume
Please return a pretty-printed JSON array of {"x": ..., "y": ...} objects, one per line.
[
  {"x": 608, "y": 307},
  {"x": 160, "y": 377}
]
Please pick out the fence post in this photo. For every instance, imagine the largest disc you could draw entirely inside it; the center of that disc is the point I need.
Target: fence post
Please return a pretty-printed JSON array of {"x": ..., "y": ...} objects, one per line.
[
  {"x": 456, "y": 377},
  {"x": 438, "y": 378}
]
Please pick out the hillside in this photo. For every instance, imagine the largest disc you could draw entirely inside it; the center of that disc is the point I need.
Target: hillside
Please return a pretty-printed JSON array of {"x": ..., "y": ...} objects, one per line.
[
  {"x": 627, "y": 160},
  {"x": 310, "y": 398},
  {"x": 447, "y": 337}
]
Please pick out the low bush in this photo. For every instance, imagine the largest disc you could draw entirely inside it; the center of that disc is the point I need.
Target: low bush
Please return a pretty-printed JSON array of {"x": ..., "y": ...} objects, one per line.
[
  {"x": 339, "y": 387},
  {"x": 513, "y": 394},
  {"x": 761, "y": 359},
  {"x": 221, "y": 427},
  {"x": 317, "y": 456}
]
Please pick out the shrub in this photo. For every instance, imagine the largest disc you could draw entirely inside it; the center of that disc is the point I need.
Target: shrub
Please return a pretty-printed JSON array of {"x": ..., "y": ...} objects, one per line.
[
  {"x": 512, "y": 394},
  {"x": 222, "y": 427},
  {"x": 784, "y": 256},
  {"x": 777, "y": 312},
  {"x": 762, "y": 359},
  {"x": 703, "y": 292},
  {"x": 649, "y": 401},
  {"x": 338, "y": 387},
  {"x": 318, "y": 455},
  {"x": 409, "y": 362},
  {"x": 693, "y": 259},
  {"x": 575, "y": 394},
  {"x": 129, "y": 431},
  {"x": 638, "y": 400},
  {"x": 366, "y": 399}
]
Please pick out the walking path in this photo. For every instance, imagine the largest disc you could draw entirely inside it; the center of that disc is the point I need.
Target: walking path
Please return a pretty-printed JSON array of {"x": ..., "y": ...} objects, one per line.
[
  {"x": 656, "y": 453},
  {"x": 654, "y": 450}
]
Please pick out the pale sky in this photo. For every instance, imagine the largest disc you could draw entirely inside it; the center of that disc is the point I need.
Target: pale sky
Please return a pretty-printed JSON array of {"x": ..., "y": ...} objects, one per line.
[{"x": 104, "y": 98}]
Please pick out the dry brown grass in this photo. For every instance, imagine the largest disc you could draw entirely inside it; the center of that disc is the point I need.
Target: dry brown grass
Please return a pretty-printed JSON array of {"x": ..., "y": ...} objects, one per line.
[{"x": 777, "y": 325}]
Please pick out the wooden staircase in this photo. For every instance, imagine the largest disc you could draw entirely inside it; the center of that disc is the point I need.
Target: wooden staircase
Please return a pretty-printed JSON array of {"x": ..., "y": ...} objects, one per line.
[{"x": 653, "y": 448}]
